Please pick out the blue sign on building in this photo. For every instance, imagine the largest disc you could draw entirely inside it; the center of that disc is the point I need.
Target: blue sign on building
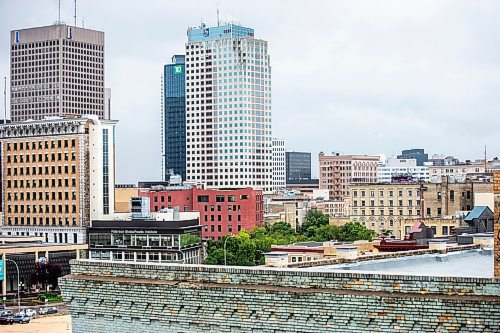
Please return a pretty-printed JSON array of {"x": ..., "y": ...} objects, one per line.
[{"x": 2, "y": 267}]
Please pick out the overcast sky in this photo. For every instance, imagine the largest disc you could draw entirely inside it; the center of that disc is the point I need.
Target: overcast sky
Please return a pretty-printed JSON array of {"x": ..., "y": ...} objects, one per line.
[{"x": 365, "y": 77}]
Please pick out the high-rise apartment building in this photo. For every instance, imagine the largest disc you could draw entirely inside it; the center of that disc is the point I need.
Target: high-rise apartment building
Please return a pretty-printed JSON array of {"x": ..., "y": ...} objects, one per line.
[
  {"x": 57, "y": 70},
  {"x": 337, "y": 172},
  {"x": 228, "y": 108},
  {"x": 58, "y": 175},
  {"x": 298, "y": 167},
  {"x": 279, "y": 165},
  {"x": 174, "y": 117}
]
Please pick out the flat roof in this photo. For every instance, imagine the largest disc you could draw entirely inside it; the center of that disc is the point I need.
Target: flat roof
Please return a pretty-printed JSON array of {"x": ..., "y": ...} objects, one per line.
[{"x": 468, "y": 263}]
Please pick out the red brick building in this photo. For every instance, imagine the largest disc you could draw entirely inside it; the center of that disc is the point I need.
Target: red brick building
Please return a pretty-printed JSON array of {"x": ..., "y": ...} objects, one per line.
[{"x": 222, "y": 212}]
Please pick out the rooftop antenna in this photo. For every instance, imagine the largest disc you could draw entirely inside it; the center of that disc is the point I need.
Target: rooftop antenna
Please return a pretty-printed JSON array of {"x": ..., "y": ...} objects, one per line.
[
  {"x": 75, "y": 13},
  {"x": 484, "y": 158},
  {"x": 218, "y": 21},
  {"x": 59, "y": 13},
  {"x": 5, "y": 99}
]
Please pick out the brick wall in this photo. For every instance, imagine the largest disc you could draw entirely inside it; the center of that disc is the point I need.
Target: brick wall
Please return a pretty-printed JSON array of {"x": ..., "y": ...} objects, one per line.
[{"x": 119, "y": 297}]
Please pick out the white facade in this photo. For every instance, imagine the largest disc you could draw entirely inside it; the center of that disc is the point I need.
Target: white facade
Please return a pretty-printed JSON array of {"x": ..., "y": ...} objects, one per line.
[
  {"x": 228, "y": 108},
  {"x": 394, "y": 166},
  {"x": 279, "y": 164},
  {"x": 102, "y": 169}
]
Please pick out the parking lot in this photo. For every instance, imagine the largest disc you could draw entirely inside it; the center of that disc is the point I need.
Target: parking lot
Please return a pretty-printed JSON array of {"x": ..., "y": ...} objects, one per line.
[{"x": 51, "y": 323}]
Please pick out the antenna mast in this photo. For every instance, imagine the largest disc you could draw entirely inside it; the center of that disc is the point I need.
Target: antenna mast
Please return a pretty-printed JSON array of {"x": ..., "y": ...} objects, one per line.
[
  {"x": 5, "y": 99},
  {"x": 218, "y": 21},
  {"x": 75, "y": 13},
  {"x": 59, "y": 13},
  {"x": 485, "y": 158}
]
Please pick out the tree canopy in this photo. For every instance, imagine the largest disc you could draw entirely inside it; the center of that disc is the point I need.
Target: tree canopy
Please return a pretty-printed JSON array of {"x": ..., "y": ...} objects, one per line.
[{"x": 247, "y": 248}]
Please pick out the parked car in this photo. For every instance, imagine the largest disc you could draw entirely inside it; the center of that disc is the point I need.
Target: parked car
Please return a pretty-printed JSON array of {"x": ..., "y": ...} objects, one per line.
[
  {"x": 30, "y": 313},
  {"x": 6, "y": 313},
  {"x": 4, "y": 320},
  {"x": 48, "y": 310},
  {"x": 21, "y": 319}
]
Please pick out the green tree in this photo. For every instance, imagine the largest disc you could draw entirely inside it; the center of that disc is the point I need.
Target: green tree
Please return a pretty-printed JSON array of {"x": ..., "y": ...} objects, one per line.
[
  {"x": 46, "y": 273},
  {"x": 354, "y": 231}
]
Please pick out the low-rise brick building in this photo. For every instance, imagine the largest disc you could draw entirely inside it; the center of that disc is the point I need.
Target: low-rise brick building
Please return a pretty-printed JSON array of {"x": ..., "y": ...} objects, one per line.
[{"x": 222, "y": 212}]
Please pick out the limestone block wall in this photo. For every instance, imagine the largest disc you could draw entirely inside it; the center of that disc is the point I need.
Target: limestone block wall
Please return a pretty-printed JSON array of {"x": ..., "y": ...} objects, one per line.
[
  {"x": 496, "y": 225},
  {"x": 123, "y": 297}
]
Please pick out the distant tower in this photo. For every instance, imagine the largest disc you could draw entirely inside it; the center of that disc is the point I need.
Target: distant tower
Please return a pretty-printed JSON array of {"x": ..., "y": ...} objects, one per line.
[
  {"x": 56, "y": 70},
  {"x": 279, "y": 165},
  {"x": 174, "y": 117},
  {"x": 228, "y": 108}
]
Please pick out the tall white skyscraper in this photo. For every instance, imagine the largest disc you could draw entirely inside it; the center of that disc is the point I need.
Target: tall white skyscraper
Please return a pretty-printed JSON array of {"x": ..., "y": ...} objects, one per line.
[
  {"x": 279, "y": 164},
  {"x": 228, "y": 108}
]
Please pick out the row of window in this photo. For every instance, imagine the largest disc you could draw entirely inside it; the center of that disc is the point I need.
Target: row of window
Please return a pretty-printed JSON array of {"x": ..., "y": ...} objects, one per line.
[
  {"x": 42, "y": 183},
  {"x": 381, "y": 193},
  {"x": 22, "y": 196},
  {"x": 47, "y": 221},
  {"x": 41, "y": 144},
  {"x": 167, "y": 241},
  {"x": 381, "y": 212},
  {"x": 188, "y": 257},
  {"x": 219, "y": 228},
  {"x": 381, "y": 203}
]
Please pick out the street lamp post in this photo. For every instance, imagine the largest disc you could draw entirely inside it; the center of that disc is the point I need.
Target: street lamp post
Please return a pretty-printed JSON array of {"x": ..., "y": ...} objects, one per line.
[
  {"x": 225, "y": 262},
  {"x": 18, "y": 285}
]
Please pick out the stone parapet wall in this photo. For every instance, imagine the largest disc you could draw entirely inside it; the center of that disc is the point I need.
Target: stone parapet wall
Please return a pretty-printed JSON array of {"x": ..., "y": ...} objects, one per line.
[
  {"x": 496, "y": 225},
  {"x": 122, "y": 297}
]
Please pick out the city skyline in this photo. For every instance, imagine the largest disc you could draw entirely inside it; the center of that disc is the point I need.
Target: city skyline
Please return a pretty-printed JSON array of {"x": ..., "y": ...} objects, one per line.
[{"x": 374, "y": 74}]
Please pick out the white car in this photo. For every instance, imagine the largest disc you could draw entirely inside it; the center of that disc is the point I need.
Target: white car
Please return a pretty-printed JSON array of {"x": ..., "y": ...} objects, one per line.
[
  {"x": 27, "y": 312},
  {"x": 30, "y": 312}
]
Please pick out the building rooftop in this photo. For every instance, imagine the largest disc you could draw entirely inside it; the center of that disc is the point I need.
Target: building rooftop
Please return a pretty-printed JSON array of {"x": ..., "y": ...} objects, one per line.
[
  {"x": 468, "y": 263},
  {"x": 226, "y": 30},
  {"x": 475, "y": 213}
]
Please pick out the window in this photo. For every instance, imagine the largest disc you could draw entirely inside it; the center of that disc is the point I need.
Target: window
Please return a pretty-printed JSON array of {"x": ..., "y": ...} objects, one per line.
[
  {"x": 231, "y": 198},
  {"x": 203, "y": 198},
  {"x": 445, "y": 230},
  {"x": 219, "y": 198},
  {"x": 428, "y": 211},
  {"x": 452, "y": 195},
  {"x": 141, "y": 256}
]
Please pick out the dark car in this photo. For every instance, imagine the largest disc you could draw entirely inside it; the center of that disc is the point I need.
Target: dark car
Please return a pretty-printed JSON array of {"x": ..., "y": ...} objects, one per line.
[
  {"x": 21, "y": 319},
  {"x": 4, "y": 320}
]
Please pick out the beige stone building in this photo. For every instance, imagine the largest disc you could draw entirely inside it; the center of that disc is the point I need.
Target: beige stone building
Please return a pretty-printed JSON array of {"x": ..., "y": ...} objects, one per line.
[
  {"x": 384, "y": 206},
  {"x": 448, "y": 198},
  {"x": 334, "y": 208},
  {"x": 459, "y": 171},
  {"x": 57, "y": 176},
  {"x": 338, "y": 172}
]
